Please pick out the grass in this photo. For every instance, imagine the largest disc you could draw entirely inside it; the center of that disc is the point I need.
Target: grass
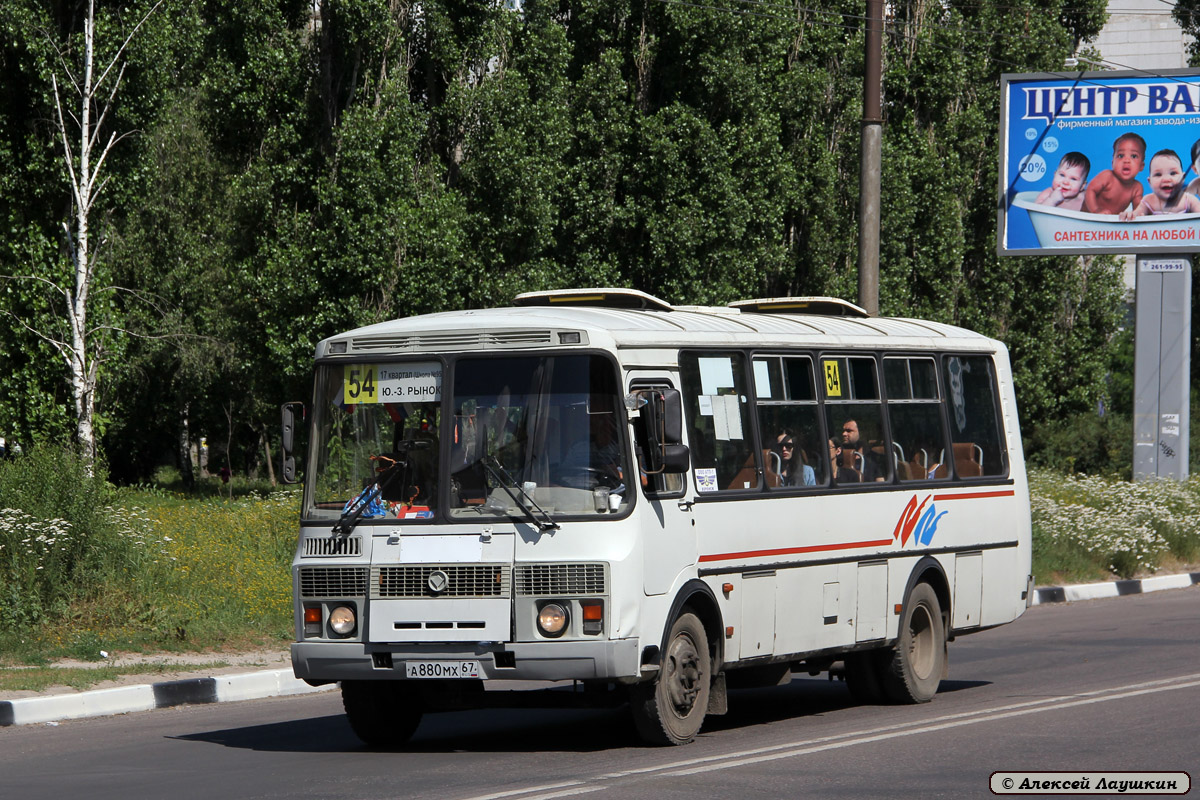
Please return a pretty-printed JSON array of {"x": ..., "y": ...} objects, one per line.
[
  {"x": 1089, "y": 528},
  {"x": 165, "y": 572}
]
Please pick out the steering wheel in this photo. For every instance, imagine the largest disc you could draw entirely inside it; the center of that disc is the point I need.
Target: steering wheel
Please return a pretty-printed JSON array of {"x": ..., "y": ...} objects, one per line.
[{"x": 588, "y": 478}]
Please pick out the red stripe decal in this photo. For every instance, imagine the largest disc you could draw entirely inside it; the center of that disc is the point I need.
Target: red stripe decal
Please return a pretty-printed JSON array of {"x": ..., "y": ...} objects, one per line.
[
  {"x": 973, "y": 495},
  {"x": 786, "y": 551}
]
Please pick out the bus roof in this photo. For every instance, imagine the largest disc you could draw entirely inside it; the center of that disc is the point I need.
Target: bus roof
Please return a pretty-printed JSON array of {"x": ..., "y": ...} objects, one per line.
[{"x": 628, "y": 319}]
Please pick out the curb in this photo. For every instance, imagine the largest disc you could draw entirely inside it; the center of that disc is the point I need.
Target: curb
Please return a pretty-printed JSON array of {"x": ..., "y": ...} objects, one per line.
[
  {"x": 281, "y": 682},
  {"x": 1095, "y": 591},
  {"x": 124, "y": 699}
]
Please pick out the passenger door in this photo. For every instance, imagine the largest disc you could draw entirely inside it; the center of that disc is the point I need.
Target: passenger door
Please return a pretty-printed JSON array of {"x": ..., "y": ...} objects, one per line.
[{"x": 668, "y": 535}]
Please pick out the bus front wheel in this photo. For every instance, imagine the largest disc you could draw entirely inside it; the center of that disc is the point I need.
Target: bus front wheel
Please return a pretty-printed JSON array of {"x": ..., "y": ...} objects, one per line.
[
  {"x": 915, "y": 669},
  {"x": 381, "y": 713},
  {"x": 671, "y": 709}
]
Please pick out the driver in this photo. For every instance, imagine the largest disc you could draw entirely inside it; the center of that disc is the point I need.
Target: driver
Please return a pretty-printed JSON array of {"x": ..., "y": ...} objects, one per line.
[{"x": 601, "y": 450}]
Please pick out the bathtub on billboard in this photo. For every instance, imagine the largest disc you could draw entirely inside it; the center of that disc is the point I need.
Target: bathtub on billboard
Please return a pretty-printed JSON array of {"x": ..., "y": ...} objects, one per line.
[{"x": 1057, "y": 228}]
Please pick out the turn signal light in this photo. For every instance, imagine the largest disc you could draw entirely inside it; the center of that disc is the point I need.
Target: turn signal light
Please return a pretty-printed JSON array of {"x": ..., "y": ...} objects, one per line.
[
  {"x": 593, "y": 618},
  {"x": 312, "y": 621}
]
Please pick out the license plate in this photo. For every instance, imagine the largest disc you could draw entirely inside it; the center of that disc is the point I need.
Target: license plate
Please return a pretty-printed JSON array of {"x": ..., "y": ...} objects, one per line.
[{"x": 442, "y": 669}]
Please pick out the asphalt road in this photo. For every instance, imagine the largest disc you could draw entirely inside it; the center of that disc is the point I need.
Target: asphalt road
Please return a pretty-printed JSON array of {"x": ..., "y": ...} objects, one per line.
[{"x": 1100, "y": 685}]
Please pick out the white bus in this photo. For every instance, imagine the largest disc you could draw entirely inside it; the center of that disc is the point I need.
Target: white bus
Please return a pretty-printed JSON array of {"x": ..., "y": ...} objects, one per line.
[{"x": 652, "y": 503}]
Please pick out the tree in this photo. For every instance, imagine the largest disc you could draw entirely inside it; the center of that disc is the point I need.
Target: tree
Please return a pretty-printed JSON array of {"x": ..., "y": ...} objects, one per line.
[{"x": 80, "y": 341}]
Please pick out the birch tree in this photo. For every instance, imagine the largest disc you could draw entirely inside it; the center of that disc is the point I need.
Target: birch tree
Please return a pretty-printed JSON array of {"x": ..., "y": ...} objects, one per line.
[{"x": 84, "y": 151}]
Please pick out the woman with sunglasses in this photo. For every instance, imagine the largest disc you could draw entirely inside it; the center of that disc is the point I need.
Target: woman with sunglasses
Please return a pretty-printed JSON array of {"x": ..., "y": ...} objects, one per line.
[{"x": 793, "y": 470}]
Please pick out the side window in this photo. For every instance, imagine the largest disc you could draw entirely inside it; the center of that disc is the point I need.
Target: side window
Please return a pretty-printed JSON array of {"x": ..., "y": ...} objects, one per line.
[
  {"x": 855, "y": 418},
  {"x": 978, "y": 444},
  {"x": 789, "y": 423},
  {"x": 915, "y": 414},
  {"x": 716, "y": 399}
]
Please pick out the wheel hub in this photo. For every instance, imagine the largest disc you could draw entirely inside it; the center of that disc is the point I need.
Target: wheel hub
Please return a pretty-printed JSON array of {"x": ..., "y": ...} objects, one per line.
[{"x": 684, "y": 674}]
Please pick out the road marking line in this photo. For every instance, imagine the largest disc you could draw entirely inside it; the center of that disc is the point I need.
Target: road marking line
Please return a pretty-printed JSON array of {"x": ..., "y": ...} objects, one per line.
[
  {"x": 923, "y": 729},
  {"x": 695, "y": 766}
]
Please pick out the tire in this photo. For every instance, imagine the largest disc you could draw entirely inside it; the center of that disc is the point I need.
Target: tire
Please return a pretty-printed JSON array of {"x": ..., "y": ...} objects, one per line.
[
  {"x": 865, "y": 674},
  {"x": 918, "y": 661},
  {"x": 671, "y": 709},
  {"x": 381, "y": 713}
]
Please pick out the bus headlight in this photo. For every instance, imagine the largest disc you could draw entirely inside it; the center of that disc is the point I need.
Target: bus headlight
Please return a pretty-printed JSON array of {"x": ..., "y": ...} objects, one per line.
[
  {"x": 341, "y": 620},
  {"x": 552, "y": 620}
]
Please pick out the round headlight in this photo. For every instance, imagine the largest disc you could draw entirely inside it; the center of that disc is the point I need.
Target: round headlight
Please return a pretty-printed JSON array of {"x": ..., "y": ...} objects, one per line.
[
  {"x": 552, "y": 619},
  {"x": 341, "y": 620}
]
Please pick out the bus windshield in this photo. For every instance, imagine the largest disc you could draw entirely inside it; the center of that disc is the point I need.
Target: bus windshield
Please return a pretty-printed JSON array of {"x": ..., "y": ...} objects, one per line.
[
  {"x": 554, "y": 424},
  {"x": 516, "y": 432}
]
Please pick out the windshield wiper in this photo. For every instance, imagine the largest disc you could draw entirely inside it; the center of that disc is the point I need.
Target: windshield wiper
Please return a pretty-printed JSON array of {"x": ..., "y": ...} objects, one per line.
[
  {"x": 497, "y": 471},
  {"x": 374, "y": 490}
]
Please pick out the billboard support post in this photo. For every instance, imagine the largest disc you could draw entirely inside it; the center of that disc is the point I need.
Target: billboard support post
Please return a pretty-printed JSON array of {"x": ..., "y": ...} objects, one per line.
[{"x": 1162, "y": 360}]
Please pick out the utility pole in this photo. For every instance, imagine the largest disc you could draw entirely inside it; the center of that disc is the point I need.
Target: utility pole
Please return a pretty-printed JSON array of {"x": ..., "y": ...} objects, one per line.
[{"x": 872, "y": 146}]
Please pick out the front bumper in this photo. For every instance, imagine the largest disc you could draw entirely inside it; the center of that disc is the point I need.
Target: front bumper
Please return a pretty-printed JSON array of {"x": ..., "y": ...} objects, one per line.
[{"x": 547, "y": 661}]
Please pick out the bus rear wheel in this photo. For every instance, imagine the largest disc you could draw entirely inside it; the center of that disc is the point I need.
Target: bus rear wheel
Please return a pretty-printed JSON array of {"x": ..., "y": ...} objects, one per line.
[
  {"x": 918, "y": 661},
  {"x": 671, "y": 709},
  {"x": 381, "y": 713}
]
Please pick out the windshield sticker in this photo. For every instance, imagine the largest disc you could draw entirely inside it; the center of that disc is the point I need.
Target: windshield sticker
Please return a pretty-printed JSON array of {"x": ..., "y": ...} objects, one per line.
[
  {"x": 392, "y": 383},
  {"x": 706, "y": 480}
]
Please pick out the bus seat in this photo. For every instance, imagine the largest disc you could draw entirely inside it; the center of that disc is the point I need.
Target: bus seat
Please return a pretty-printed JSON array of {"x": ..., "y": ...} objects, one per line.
[
  {"x": 965, "y": 463},
  {"x": 748, "y": 474},
  {"x": 849, "y": 475}
]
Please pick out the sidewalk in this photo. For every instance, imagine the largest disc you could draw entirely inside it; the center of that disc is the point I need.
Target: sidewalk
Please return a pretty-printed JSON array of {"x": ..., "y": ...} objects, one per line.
[{"x": 232, "y": 682}]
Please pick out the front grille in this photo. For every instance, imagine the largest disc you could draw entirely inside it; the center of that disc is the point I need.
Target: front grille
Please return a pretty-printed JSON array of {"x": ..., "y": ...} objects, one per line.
[
  {"x": 560, "y": 579},
  {"x": 333, "y": 546},
  {"x": 464, "y": 580},
  {"x": 333, "y": 581}
]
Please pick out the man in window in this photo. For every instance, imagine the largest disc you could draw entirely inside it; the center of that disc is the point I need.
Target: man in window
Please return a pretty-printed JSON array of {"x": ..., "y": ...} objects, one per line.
[{"x": 864, "y": 461}]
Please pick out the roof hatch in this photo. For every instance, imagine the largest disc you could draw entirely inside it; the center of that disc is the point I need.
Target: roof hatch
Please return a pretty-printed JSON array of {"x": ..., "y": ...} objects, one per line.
[
  {"x": 824, "y": 306},
  {"x": 595, "y": 298}
]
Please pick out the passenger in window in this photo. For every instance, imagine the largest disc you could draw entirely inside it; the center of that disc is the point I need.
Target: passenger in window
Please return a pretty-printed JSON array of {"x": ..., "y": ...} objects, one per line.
[
  {"x": 793, "y": 470},
  {"x": 862, "y": 461},
  {"x": 839, "y": 472}
]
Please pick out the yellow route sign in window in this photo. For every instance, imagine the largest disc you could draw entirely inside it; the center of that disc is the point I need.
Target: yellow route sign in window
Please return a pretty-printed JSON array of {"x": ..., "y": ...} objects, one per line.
[
  {"x": 360, "y": 383},
  {"x": 833, "y": 378}
]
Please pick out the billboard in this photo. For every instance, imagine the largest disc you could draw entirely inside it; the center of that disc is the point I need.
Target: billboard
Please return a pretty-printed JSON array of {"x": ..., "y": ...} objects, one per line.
[{"x": 1100, "y": 162}]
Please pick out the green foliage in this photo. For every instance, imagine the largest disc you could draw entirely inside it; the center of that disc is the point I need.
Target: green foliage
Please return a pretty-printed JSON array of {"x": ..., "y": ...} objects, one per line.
[
  {"x": 90, "y": 567},
  {"x": 291, "y": 177},
  {"x": 59, "y": 537},
  {"x": 1083, "y": 443}
]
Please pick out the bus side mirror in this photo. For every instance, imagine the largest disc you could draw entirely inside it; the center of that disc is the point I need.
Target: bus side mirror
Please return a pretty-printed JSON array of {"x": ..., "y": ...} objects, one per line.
[
  {"x": 289, "y": 439},
  {"x": 661, "y": 418}
]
